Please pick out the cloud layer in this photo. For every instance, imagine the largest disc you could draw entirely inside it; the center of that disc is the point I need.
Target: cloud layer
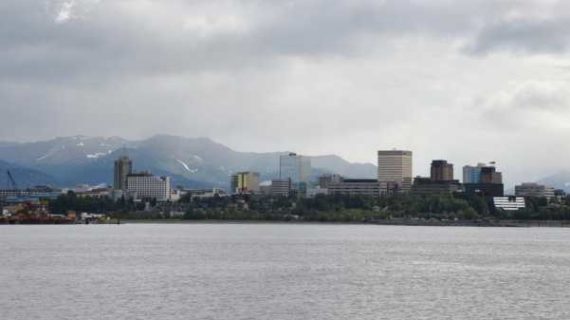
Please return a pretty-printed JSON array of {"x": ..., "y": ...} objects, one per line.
[{"x": 470, "y": 81}]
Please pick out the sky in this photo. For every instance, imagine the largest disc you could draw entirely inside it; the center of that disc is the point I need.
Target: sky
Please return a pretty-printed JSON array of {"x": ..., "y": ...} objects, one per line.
[{"x": 467, "y": 81}]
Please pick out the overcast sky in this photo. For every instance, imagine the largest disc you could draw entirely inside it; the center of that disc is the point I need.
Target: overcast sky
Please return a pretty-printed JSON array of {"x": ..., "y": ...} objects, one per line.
[{"x": 466, "y": 81}]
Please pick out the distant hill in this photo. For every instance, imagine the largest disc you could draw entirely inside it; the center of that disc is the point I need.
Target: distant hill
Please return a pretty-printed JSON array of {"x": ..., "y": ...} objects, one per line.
[
  {"x": 560, "y": 180},
  {"x": 24, "y": 177},
  {"x": 193, "y": 162}
]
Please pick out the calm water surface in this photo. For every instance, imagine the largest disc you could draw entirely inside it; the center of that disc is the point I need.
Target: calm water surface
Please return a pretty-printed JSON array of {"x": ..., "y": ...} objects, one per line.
[{"x": 283, "y": 271}]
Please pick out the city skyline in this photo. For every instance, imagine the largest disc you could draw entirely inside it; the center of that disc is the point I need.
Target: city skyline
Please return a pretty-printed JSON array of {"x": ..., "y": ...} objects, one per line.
[{"x": 421, "y": 167}]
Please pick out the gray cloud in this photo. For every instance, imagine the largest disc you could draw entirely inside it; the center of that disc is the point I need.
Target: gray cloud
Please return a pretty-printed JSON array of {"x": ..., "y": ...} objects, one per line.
[
  {"x": 319, "y": 76},
  {"x": 525, "y": 36}
]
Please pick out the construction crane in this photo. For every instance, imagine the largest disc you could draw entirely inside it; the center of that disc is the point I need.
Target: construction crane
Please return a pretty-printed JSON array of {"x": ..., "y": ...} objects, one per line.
[{"x": 11, "y": 182}]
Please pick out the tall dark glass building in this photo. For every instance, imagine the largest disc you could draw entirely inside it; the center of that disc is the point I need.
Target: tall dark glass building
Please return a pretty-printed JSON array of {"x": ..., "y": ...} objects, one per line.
[{"x": 123, "y": 168}]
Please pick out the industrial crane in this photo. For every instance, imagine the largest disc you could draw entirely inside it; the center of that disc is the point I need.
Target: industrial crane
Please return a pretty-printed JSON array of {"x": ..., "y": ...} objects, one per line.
[{"x": 11, "y": 182}]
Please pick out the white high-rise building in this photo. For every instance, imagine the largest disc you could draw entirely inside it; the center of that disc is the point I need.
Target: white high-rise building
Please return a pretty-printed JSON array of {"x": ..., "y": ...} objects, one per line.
[
  {"x": 295, "y": 167},
  {"x": 147, "y": 186},
  {"x": 395, "y": 166}
]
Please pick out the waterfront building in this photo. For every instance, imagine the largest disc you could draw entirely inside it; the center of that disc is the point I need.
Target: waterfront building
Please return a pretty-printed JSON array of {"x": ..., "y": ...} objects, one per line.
[
  {"x": 245, "y": 182},
  {"x": 534, "y": 190},
  {"x": 123, "y": 168},
  {"x": 144, "y": 185},
  {"x": 34, "y": 194},
  {"x": 509, "y": 203},
  {"x": 395, "y": 166},
  {"x": 295, "y": 167},
  {"x": 356, "y": 187}
]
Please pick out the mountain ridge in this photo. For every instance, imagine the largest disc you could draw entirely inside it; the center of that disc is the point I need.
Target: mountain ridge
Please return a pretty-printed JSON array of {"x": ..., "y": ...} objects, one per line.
[{"x": 193, "y": 162}]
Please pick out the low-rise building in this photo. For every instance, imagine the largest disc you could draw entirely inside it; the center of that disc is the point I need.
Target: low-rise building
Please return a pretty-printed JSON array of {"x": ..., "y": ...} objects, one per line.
[
  {"x": 34, "y": 194},
  {"x": 281, "y": 187},
  {"x": 534, "y": 190},
  {"x": 484, "y": 189},
  {"x": 426, "y": 186},
  {"x": 328, "y": 179},
  {"x": 509, "y": 203},
  {"x": 313, "y": 192},
  {"x": 354, "y": 187},
  {"x": 98, "y": 193},
  {"x": 204, "y": 193}
]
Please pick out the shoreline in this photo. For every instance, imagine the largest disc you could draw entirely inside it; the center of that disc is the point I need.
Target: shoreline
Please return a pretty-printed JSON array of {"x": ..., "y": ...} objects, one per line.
[{"x": 483, "y": 224}]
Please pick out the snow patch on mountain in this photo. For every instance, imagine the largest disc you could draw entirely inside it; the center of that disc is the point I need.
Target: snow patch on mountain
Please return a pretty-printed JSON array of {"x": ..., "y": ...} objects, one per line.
[
  {"x": 96, "y": 155},
  {"x": 50, "y": 153},
  {"x": 187, "y": 167}
]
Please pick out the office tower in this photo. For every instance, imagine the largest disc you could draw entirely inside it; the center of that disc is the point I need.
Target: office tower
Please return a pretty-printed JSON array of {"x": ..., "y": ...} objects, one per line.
[
  {"x": 483, "y": 180},
  {"x": 472, "y": 174},
  {"x": 295, "y": 167},
  {"x": 490, "y": 175},
  {"x": 144, "y": 185},
  {"x": 123, "y": 167},
  {"x": 441, "y": 170},
  {"x": 395, "y": 166},
  {"x": 245, "y": 182}
]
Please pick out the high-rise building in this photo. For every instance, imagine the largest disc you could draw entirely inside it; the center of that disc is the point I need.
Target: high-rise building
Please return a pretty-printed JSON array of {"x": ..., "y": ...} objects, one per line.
[
  {"x": 483, "y": 180},
  {"x": 395, "y": 166},
  {"x": 144, "y": 185},
  {"x": 441, "y": 170},
  {"x": 472, "y": 174},
  {"x": 490, "y": 175},
  {"x": 123, "y": 167},
  {"x": 295, "y": 167},
  {"x": 245, "y": 182}
]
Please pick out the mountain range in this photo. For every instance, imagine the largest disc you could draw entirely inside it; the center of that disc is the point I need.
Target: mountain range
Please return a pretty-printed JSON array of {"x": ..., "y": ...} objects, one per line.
[{"x": 191, "y": 162}]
